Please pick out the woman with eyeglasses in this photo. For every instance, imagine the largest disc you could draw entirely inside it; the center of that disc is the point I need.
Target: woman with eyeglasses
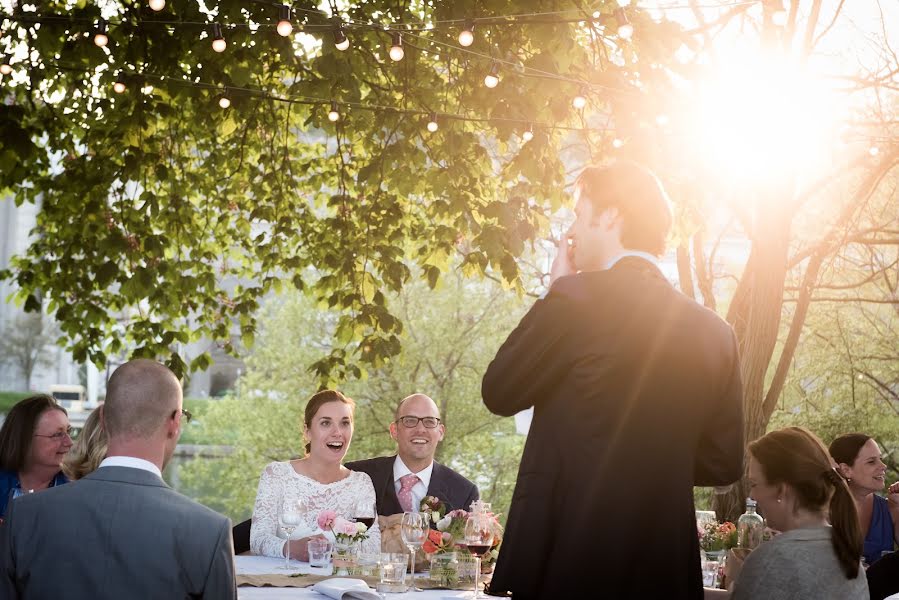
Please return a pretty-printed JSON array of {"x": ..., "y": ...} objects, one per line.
[
  {"x": 319, "y": 481},
  {"x": 34, "y": 440}
]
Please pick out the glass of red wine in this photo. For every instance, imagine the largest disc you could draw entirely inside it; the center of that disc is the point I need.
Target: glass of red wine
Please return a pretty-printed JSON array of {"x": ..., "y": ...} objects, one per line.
[
  {"x": 366, "y": 512},
  {"x": 479, "y": 540}
]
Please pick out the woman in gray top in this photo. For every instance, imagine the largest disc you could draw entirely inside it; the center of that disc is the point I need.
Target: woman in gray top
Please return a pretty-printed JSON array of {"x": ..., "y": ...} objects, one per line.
[{"x": 816, "y": 557}]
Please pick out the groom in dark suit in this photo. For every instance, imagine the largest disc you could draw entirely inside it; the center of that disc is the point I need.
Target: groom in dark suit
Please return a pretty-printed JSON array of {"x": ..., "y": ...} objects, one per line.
[
  {"x": 402, "y": 480},
  {"x": 121, "y": 532},
  {"x": 637, "y": 398}
]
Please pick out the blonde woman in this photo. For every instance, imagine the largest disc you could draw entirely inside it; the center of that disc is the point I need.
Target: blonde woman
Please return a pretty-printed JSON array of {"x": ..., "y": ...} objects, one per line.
[{"x": 89, "y": 449}]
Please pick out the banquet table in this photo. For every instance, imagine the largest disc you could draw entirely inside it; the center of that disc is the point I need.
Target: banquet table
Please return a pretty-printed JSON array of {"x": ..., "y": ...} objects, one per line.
[{"x": 263, "y": 565}]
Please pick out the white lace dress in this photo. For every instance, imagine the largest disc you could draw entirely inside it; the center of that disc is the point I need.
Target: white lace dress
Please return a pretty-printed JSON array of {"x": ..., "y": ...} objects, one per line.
[{"x": 279, "y": 481}]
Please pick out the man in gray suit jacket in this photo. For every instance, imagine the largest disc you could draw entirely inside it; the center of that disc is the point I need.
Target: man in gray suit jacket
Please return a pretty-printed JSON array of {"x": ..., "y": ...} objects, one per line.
[{"x": 121, "y": 532}]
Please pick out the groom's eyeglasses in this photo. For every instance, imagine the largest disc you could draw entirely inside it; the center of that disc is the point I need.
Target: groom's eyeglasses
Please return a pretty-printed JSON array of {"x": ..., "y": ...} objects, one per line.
[
  {"x": 410, "y": 422},
  {"x": 184, "y": 413}
]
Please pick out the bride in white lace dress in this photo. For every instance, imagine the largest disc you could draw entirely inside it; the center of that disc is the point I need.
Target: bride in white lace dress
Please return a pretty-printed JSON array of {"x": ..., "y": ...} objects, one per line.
[{"x": 319, "y": 480}]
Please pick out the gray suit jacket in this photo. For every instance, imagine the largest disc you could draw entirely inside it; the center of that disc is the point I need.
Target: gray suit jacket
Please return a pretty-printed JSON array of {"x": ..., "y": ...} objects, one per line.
[{"x": 117, "y": 533}]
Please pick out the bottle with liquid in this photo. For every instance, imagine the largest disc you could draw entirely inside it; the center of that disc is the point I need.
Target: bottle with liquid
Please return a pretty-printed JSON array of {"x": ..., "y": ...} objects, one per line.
[{"x": 750, "y": 527}]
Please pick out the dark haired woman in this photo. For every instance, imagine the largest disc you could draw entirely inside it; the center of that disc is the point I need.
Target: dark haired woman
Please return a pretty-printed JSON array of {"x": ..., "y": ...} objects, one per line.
[
  {"x": 34, "y": 440},
  {"x": 319, "y": 480},
  {"x": 818, "y": 553}
]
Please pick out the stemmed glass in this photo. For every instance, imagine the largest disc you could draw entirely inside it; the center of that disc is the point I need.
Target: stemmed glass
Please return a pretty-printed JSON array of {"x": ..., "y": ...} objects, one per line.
[
  {"x": 479, "y": 539},
  {"x": 290, "y": 517},
  {"x": 365, "y": 511},
  {"x": 414, "y": 531}
]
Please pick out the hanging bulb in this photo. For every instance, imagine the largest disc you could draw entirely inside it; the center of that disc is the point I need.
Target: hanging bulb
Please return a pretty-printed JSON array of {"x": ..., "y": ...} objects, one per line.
[
  {"x": 157, "y": 5},
  {"x": 579, "y": 101},
  {"x": 617, "y": 143},
  {"x": 100, "y": 37},
  {"x": 466, "y": 36},
  {"x": 341, "y": 42},
  {"x": 492, "y": 78},
  {"x": 779, "y": 18},
  {"x": 873, "y": 150},
  {"x": 432, "y": 122},
  {"x": 623, "y": 3},
  {"x": 119, "y": 85},
  {"x": 224, "y": 100},
  {"x": 333, "y": 114},
  {"x": 625, "y": 29},
  {"x": 396, "y": 49},
  {"x": 528, "y": 134},
  {"x": 6, "y": 66},
  {"x": 284, "y": 27},
  {"x": 218, "y": 40}
]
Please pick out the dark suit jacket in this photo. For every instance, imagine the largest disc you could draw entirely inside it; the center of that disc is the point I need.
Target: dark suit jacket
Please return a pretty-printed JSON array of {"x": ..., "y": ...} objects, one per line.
[
  {"x": 637, "y": 398},
  {"x": 446, "y": 484},
  {"x": 117, "y": 533}
]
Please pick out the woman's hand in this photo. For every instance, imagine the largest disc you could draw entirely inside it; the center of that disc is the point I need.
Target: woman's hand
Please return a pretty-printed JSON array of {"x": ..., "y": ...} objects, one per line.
[{"x": 299, "y": 550}]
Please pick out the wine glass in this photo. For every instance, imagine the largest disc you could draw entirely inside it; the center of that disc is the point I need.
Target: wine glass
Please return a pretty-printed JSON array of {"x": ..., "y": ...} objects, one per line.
[
  {"x": 290, "y": 517},
  {"x": 414, "y": 531},
  {"x": 479, "y": 539},
  {"x": 365, "y": 511}
]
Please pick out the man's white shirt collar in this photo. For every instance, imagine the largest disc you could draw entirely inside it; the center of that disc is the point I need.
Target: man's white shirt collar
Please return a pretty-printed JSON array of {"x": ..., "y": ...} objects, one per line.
[
  {"x": 132, "y": 463},
  {"x": 638, "y": 253},
  {"x": 400, "y": 469}
]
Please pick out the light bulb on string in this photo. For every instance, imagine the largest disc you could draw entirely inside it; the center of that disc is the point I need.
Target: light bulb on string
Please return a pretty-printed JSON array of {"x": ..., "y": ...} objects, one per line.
[
  {"x": 218, "y": 40},
  {"x": 617, "y": 143},
  {"x": 432, "y": 122},
  {"x": 156, "y": 5},
  {"x": 466, "y": 36},
  {"x": 623, "y": 3},
  {"x": 119, "y": 85},
  {"x": 779, "y": 17},
  {"x": 341, "y": 42},
  {"x": 224, "y": 100},
  {"x": 284, "y": 26},
  {"x": 396, "y": 48},
  {"x": 873, "y": 150},
  {"x": 579, "y": 101},
  {"x": 6, "y": 66},
  {"x": 100, "y": 37},
  {"x": 625, "y": 29},
  {"x": 492, "y": 78},
  {"x": 528, "y": 134},
  {"x": 333, "y": 114}
]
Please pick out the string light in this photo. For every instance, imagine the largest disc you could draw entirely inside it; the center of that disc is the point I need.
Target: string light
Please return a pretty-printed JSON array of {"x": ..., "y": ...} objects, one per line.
[
  {"x": 617, "y": 143},
  {"x": 874, "y": 151},
  {"x": 396, "y": 49},
  {"x": 625, "y": 29},
  {"x": 224, "y": 100},
  {"x": 157, "y": 5},
  {"x": 466, "y": 36},
  {"x": 341, "y": 42},
  {"x": 779, "y": 17},
  {"x": 284, "y": 26},
  {"x": 432, "y": 122},
  {"x": 492, "y": 78},
  {"x": 579, "y": 101},
  {"x": 119, "y": 85},
  {"x": 6, "y": 65},
  {"x": 218, "y": 40},
  {"x": 333, "y": 114},
  {"x": 528, "y": 134},
  {"x": 623, "y": 3},
  {"x": 100, "y": 37}
]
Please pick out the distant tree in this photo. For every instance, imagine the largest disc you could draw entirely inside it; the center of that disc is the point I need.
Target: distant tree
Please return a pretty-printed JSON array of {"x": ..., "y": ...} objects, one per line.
[{"x": 24, "y": 343}]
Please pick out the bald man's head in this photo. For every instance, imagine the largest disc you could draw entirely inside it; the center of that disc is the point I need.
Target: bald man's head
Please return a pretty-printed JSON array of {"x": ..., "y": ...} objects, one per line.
[
  {"x": 140, "y": 396},
  {"x": 418, "y": 400}
]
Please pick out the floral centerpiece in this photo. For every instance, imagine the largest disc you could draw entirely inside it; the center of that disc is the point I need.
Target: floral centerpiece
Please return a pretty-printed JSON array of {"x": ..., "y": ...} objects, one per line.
[
  {"x": 448, "y": 534},
  {"x": 717, "y": 537},
  {"x": 347, "y": 534}
]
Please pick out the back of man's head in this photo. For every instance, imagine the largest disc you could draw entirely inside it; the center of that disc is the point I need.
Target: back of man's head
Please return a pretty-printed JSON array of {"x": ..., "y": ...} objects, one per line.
[
  {"x": 639, "y": 197},
  {"x": 140, "y": 396}
]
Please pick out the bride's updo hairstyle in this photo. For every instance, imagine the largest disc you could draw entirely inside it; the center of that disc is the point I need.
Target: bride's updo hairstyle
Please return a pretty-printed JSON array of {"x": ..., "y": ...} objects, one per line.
[{"x": 316, "y": 402}]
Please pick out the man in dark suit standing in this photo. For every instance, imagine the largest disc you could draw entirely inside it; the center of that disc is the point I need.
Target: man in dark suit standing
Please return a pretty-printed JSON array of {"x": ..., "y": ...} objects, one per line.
[
  {"x": 121, "y": 532},
  {"x": 402, "y": 480},
  {"x": 637, "y": 397}
]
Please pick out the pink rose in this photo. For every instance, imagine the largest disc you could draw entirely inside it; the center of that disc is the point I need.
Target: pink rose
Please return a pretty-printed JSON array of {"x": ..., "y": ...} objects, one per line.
[{"x": 326, "y": 519}]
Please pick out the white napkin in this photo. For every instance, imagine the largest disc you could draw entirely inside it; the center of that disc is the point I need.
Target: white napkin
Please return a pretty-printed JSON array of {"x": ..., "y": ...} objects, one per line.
[{"x": 343, "y": 588}]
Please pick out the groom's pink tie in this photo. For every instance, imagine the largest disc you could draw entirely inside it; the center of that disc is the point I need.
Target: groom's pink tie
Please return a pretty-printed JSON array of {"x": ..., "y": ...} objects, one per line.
[{"x": 407, "y": 482}]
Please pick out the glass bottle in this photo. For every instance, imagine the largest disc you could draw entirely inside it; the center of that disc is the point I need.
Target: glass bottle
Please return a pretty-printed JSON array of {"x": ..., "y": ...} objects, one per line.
[{"x": 750, "y": 527}]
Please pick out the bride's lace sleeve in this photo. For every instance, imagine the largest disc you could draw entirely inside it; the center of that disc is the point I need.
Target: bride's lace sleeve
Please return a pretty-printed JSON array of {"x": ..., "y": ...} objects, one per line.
[{"x": 264, "y": 538}]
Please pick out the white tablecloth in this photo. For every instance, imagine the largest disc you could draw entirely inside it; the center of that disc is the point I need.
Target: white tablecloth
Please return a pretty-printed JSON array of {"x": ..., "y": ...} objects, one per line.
[{"x": 261, "y": 565}]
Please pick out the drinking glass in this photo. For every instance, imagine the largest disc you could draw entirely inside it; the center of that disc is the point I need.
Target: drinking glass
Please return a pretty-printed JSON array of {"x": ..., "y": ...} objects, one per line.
[
  {"x": 366, "y": 512},
  {"x": 479, "y": 539},
  {"x": 414, "y": 531},
  {"x": 290, "y": 517}
]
